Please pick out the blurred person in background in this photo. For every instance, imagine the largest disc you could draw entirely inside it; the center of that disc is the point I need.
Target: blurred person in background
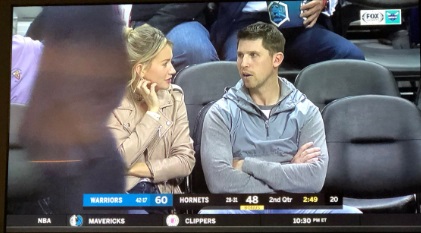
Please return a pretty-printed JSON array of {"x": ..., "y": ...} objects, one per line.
[
  {"x": 81, "y": 79},
  {"x": 185, "y": 24},
  {"x": 306, "y": 26},
  {"x": 26, "y": 55}
]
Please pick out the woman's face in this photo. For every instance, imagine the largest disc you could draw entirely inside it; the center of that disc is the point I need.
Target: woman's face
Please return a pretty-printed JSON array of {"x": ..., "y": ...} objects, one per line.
[{"x": 161, "y": 69}]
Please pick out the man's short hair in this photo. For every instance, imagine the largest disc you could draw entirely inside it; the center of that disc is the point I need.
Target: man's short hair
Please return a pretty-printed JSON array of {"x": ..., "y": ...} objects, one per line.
[{"x": 272, "y": 39}]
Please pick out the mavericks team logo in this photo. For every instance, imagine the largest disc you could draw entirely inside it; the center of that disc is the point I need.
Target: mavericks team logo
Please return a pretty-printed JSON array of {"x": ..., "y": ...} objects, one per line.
[{"x": 76, "y": 221}]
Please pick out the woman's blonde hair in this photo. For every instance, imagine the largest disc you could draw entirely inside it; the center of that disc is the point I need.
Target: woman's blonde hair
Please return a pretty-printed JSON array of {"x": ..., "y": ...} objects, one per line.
[{"x": 143, "y": 44}]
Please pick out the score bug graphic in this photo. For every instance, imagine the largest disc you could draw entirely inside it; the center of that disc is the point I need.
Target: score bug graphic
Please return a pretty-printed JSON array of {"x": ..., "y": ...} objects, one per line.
[{"x": 127, "y": 200}]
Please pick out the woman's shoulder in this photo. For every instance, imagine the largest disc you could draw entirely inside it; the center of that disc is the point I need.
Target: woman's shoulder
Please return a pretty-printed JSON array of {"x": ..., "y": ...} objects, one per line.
[
  {"x": 177, "y": 92},
  {"x": 127, "y": 102}
]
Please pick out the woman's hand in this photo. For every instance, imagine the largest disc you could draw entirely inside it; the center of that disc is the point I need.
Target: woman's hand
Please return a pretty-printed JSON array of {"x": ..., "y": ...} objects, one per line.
[{"x": 147, "y": 90}]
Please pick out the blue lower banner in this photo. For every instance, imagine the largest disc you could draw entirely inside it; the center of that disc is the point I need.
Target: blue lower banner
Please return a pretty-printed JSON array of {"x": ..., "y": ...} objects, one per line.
[{"x": 127, "y": 200}]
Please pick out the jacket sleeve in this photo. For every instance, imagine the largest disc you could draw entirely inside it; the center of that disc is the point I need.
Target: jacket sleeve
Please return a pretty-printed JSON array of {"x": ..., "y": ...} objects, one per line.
[
  {"x": 181, "y": 158},
  {"x": 217, "y": 158},
  {"x": 296, "y": 178},
  {"x": 132, "y": 143},
  {"x": 173, "y": 14}
]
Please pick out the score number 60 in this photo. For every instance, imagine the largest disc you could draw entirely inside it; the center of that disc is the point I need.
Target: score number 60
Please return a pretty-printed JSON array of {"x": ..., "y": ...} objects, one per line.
[{"x": 161, "y": 200}]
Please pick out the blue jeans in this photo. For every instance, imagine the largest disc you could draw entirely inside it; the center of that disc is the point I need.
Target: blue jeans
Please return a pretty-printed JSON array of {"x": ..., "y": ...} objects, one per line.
[
  {"x": 191, "y": 45},
  {"x": 305, "y": 46},
  {"x": 345, "y": 210},
  {"x": 146, "y": 187}
]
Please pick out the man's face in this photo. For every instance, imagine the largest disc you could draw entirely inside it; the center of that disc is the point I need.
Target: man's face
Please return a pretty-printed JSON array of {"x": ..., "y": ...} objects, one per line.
[{"x": 254, "y": 63}]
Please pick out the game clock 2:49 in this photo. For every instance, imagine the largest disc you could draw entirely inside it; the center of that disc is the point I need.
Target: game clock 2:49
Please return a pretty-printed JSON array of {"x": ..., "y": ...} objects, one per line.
[{"x": 310, "y": 199}]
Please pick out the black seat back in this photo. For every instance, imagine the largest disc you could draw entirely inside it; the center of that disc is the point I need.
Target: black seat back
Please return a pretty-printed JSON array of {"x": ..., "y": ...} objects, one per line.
[
  {"x": 203, "y": 83},
  {"x": 198, "y": 178},
  {"x": 418, "y": 98},
  {"x": 374, "y": 152},
  {"x": 326, "y": 81}
]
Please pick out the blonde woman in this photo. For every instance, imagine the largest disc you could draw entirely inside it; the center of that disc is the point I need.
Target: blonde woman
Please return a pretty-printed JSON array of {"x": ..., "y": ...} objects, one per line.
[{"x": 150, "y": 125}]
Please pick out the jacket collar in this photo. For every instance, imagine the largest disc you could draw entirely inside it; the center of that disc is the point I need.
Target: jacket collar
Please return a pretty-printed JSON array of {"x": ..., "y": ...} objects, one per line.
[
  {"x": 164, "y": 97},
  {"x": 289, "y": 98}
]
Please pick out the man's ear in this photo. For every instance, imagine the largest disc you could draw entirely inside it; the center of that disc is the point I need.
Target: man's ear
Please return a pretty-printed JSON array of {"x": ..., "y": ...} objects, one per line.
[{"x": 277, "y": 59}]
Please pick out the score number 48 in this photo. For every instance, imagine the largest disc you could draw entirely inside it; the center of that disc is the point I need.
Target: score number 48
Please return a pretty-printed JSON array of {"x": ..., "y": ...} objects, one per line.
[{"x": 252, "y": 199}]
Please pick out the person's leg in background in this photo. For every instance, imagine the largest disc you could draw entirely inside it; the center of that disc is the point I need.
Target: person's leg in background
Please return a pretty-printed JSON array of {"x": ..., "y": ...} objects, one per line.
[
  {"x": 191, "y": 45},
  {"x": 414, "y": 27},
  {"x": 308, "y": 46},
  {"x": 230, "y": 47},
  {"x": 303, "y": 46}
]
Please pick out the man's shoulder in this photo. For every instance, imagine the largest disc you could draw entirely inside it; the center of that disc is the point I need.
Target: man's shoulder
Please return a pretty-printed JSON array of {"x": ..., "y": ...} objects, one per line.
[{"x": 224, "y": 104}]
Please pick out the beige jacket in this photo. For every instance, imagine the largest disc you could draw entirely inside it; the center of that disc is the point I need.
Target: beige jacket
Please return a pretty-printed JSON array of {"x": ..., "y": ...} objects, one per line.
[{"x": 164, "y": 144}]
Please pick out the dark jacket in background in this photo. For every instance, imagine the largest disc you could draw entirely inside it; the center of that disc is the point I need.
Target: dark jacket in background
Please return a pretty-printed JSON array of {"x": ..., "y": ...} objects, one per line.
[
  {"x": 225, "y": 23},
  {"x": 166, "y": 16}
]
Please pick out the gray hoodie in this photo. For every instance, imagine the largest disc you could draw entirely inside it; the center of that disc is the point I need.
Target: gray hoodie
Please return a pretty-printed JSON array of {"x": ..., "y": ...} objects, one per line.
[{"x": 235, "y": 127}]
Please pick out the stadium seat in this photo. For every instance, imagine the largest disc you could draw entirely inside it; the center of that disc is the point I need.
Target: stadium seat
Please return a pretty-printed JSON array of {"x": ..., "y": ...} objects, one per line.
[
  {"x": 198, "y": 180},
  {"x": 418, "y": 99},
  {"x": 288, "y": 71},
  {"x": 202, "y": 84},
  {"x": 402, "y": 60},
  {"x": 374, "y": 152},
  {"x": 326, "y": 81}
]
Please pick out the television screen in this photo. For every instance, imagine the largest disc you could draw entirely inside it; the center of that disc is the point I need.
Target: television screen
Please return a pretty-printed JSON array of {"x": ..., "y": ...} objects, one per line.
[{"x": 140, "y": 116}]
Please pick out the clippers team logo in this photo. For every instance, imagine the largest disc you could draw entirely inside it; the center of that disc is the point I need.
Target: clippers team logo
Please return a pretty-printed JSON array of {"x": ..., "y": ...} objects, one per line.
[
  {"x": 278, "y": 13},
  {"x": 76, "y": 221},
  {"x": 172, "y": 220},
  {"x": 17, "y": 74}
]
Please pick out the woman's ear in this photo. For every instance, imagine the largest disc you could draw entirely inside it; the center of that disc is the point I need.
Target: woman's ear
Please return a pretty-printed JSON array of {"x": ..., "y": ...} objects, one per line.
[{"x": 139, "y": 70}]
